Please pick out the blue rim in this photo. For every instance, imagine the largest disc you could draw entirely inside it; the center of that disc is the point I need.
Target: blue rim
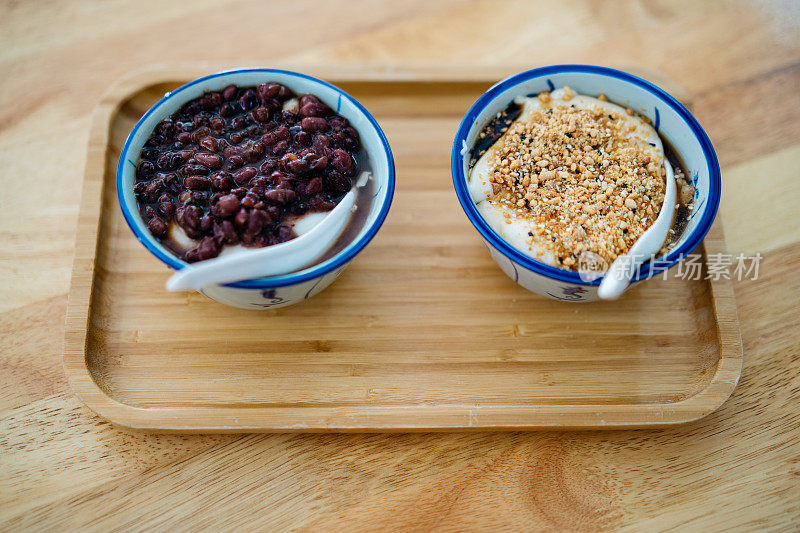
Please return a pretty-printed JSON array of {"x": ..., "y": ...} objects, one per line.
[
  {"x": 277, "y": 281},
  {"x": 460, "y": 179}
]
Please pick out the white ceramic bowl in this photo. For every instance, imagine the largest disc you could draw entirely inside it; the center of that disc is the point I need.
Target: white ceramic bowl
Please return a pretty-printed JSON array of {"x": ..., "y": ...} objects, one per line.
[
  {"x": 673, "y": 123},
  {"x": 278, "y": 291}
]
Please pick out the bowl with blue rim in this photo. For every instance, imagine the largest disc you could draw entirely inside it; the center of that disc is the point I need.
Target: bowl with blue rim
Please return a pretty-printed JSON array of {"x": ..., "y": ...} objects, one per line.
[
  {"x": 671, "y": 120},
  {"x": 293, "y": 287}
]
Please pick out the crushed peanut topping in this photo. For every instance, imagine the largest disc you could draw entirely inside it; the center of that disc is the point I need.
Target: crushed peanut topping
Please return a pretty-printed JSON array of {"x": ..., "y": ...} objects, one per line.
[{"x": 580, "y": 181}]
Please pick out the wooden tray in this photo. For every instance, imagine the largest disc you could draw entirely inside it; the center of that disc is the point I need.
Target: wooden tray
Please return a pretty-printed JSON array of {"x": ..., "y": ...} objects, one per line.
[{"x": 422, "y": 331}]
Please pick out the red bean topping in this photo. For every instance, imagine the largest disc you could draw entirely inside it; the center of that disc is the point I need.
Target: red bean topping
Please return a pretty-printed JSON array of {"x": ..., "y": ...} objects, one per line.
[
  {"x": 225, "y": 232},
  {"x": 192, "y": 168}
]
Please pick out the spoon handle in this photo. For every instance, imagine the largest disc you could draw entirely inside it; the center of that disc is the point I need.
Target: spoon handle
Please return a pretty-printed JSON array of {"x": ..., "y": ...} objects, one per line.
[
  {"x": 619, "y": 275},
  {"x": 270, "y": 261}
]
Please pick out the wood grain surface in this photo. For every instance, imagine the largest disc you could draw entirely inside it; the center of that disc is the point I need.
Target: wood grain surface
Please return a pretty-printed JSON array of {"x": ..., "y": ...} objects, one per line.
[
  {"x": 424, "y": 331},
  {"x": 63, "y": 468}
]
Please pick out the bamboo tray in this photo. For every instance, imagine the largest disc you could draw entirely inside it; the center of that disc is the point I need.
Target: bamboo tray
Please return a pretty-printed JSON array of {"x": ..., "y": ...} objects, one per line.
[{"x": 422, "y": 331}]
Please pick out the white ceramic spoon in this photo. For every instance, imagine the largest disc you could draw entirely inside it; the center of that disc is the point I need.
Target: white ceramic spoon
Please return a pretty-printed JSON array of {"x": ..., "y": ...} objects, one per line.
[
  {"x": 618, "y": 276},
  {"x": 271, "y": 260}
]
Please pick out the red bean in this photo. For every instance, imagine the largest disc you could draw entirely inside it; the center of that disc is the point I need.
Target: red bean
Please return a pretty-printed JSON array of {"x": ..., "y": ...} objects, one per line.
[
  {"x": 248, "y": 99},
  {"x": 229, "y": 93},
  {"x": 222, "y": 182},
  {"x": 314, "y": 186},
  {"x": 244, "y": 175},
  {"x": 261, "y": 114},
  {"x": 337, "y": 123},
  {"x": 209, "y": 143},
  {"x": 145, "y": 170},
  {"x": 189, "y": 218},
  {"x": 254, "y": 151},
  {"x": 227, "y": 110},
  {"x": 319, "y": 163},
  {"x": 343, "y": 162},
  {"x": 197, "y": 182},
  {"x": 315, "y": 110},
  {"x": 314, "y": 124},
  {"x": 205, "y": 223},
  {"x": 228, "y": 205},
  {"x": 309, "y": 99},
  {"x": 166, "y": 129},
  {"x": 157, "y": 227},
  {"x": 217, "y": 124},
  {"x": 236, "y": 161},
  {"x": 280, "y": 148},
  {"x": 337, "y": 184},
  {"x": 284, "y": 93},
  {"x": 303, "y": 138},
  {"x": 199, "y": 133},
  {"x": 166, "y": 208},
  {"x": 298, "y": 167},
  {"x": 285, "y": 233},
  {"x": 207, "y": 249},
  {"x": 241, "y": 218},
  {"x": 281, "y": 196},
  {"x": 212, "y": 161},
  {"x": 225, "y": 233}
]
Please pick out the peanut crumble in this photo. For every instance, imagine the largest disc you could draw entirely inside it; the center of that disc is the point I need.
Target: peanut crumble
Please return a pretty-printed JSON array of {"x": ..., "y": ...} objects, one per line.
[{"x": 582, "y": 175}]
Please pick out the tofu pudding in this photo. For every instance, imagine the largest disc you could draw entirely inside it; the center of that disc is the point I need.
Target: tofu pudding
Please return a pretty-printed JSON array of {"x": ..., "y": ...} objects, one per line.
[{"x": 565, "y": 178}]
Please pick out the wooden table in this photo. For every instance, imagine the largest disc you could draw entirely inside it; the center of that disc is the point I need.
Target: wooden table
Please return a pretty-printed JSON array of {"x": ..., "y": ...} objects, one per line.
[{"x": 61, "y": 467}]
